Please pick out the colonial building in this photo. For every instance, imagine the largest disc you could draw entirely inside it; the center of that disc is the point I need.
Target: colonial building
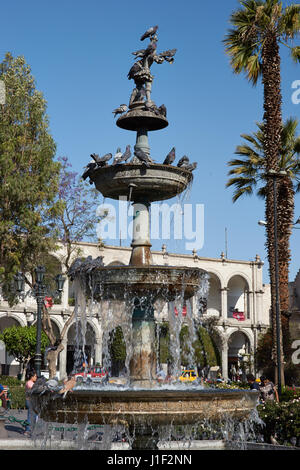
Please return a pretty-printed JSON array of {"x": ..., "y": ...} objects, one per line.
[
  {"x": 238, "y": 300},
  {"x": 295, "y": 308}
]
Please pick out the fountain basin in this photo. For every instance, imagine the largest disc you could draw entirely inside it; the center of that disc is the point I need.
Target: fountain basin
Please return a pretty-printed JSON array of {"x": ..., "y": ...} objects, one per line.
[
  {"x": 147, "y": 184},
  {"x": 145, "y": 407},
  {"x": 167, "y": 281},
  {"x": 138, "y": 118}
]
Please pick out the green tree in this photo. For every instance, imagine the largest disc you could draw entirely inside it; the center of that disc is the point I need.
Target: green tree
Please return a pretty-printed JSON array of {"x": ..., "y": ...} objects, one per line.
[
  {"x": 75, "y": 221},
  {"x": 20, "y": 342},
  {"x": 28, "y": 174},
  {"x": 117, "y": 350},
  {"x": 253, "y": 44},
  {"x": 247, "y": 174}
]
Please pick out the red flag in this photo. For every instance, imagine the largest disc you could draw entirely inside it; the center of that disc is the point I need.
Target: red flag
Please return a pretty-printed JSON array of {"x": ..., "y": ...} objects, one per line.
[
  {"x": 183, "y": 311},
  {"x": 239, "y": 316},
  {"x": 48, "y": 302}
]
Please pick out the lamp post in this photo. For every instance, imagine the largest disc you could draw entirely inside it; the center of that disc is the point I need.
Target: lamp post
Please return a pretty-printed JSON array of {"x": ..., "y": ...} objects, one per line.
[{"x": 39, "y": 291}]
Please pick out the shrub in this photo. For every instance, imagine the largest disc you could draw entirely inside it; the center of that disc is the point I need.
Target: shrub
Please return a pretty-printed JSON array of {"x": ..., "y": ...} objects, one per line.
[{"x": 282, "y": 421}]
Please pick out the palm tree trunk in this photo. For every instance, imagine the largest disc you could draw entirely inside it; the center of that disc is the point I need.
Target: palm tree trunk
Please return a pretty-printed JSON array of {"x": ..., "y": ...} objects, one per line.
[
  {"x": 272, "y": 141},
  {"x": 285, "y": 220}
]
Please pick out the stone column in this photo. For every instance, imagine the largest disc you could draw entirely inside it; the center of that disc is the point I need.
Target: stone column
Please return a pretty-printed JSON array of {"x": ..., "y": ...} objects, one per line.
[
  {"x": 224, "y": 358},
  {"x": 98, "y": 350},
  {"x": 224, "y": 307},
  {"x": 63, "y": 360}
]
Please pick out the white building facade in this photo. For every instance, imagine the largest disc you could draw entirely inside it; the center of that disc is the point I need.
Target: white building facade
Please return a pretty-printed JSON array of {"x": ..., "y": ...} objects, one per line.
[{"x": 238, "y": 300}]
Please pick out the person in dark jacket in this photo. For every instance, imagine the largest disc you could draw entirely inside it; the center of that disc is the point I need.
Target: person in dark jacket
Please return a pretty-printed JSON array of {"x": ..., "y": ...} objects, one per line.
[{"x": 252, "y": 383}]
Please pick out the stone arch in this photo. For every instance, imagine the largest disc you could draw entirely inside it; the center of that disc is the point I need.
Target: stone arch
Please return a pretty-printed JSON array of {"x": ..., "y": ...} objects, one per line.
[
  {"x": 116, "y": 263},
  {"x": 11, "y": 319},
  {"x": 76, "y": 354},
  {"x": 240, "y": 352},
  {"x": 8, "y": 365},
  {"x": 214, "y": 302},
  {"x": 238, "y": 296}
]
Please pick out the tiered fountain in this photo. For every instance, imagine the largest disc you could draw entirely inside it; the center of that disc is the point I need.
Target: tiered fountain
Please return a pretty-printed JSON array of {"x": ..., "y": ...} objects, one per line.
[{"x": 143, "y": 405}]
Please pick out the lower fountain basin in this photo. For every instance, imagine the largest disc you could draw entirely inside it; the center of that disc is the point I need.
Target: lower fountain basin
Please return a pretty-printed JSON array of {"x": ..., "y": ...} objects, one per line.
[{"x": 145, "y": 407}]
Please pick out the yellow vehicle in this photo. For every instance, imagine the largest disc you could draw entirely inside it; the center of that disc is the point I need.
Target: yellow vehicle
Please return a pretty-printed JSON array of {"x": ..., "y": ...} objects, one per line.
[{"x": 189, "y": 376}]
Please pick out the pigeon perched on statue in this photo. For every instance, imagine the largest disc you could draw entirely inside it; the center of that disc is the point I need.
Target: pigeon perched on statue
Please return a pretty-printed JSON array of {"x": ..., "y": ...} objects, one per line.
[
  {"x": 139, "y": 53},
  {"x": 170, "y": 157},
  {"x": 149, "y": 33},
  {"x": 120, "y": 110},
  {"x": 183, "y": 161},
  {"x": 151, "y": 48},
  {"x": 168, "y": 55},
  {"x": 142, "y": 156},
  {"x": 137, "y": 67}
]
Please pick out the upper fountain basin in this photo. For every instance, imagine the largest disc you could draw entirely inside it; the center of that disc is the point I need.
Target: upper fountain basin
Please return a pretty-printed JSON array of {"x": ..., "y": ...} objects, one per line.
[
  {"x": 137, "y": 118},
  {"x": 147, "y": 184}
]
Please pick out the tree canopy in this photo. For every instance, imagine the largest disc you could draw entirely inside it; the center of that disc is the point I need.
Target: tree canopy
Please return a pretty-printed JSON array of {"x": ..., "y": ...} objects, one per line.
[{"x": 28, "y": 173}]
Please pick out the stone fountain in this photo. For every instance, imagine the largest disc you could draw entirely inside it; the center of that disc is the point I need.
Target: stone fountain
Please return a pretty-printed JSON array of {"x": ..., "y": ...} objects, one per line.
[{"x": 144, "y": 407}]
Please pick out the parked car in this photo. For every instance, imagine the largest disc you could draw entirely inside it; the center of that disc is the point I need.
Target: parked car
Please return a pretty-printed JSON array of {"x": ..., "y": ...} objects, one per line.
[
  {"x": 95, "y": 374},
  {"x": 190, "y": 375}
]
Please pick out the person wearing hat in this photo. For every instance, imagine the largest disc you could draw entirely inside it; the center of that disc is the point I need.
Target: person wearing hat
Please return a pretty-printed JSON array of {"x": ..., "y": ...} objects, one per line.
[{"x": 268, "y": 390}]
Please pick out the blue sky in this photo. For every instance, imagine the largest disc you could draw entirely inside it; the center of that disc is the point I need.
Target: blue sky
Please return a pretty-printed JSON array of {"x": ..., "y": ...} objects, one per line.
[{"x": 80, "y": 54}]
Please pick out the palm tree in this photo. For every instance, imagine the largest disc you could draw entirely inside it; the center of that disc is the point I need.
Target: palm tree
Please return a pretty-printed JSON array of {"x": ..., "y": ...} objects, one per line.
[
  {"x": 248, "y": 173},
  {"x": 259, "y": 27}
]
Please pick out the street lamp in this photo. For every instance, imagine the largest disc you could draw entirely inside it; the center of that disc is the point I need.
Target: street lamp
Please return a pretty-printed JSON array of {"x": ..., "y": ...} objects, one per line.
[{"x": 39, "y": 291}]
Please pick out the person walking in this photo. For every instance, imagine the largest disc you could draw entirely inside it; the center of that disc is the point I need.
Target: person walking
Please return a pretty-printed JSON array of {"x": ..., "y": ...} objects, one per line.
[
  {"x": 268, "y": 391},
  {"x": 31, "y": 415}
]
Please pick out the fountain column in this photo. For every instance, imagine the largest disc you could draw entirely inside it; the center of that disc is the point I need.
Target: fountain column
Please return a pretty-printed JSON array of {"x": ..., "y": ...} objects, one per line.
[
  {"x": 141, "y": 246},
  {"x": 143, "y": 361}
]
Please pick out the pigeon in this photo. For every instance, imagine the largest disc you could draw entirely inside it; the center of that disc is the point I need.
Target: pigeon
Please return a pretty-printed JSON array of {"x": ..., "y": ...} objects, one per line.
[
  {"x": 162, "y": 110},
  {"x": 68, "y": 385},
  {"x": 120, "y": 157},
  {"x": 139, "y": 53},
  {"x": 117, "y": 156},
  {"x": 127, "y": 153},
  {"x": 183, "y": 161},
  {"x": 101, "y": 161},
  {"x": 137, "y": 66},
  {"x": 189, "y": 167},
  {"x": 169, "y": 53},
  {"x": 149, "y": 33},
  {"x": 89, "y": 170},
  {"x": 53, "y": 385},
  {"x": 142, "y": 156},
  {"x": 120, "y": 110},
  {"x": 170, "y": 157},
  {"x": 151, "y": 48}
]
